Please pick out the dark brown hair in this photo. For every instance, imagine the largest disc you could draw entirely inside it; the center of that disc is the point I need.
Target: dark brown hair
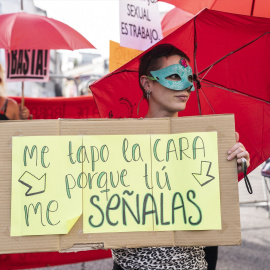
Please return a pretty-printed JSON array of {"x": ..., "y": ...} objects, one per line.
[{"x": 151, "y": 60}]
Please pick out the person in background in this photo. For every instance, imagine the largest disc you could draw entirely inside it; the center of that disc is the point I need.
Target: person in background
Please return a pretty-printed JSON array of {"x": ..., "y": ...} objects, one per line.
[
  {"x": 166, "y": 80},
  {"x": 9, "y": 108}
]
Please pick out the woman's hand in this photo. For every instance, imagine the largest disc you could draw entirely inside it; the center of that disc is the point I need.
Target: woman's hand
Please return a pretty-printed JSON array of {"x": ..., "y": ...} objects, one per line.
[
  {"x": 238, "y": 151},
  {"x": 24, "y": 112}
]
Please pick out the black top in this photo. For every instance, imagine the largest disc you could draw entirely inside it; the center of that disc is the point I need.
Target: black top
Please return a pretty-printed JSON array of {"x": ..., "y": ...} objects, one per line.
[{"x": 3, "y": 111}]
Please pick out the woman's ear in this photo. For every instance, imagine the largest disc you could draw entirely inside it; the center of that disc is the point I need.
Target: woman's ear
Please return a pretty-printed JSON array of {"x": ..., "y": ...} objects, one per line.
[{"x": 145, "y": 82}]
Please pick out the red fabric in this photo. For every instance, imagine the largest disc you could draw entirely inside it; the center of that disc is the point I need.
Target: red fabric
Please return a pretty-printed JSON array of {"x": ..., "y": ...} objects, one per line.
[
  {"x": 191, "y": 6},
  {"x": 61, "y": 107},
  {"x": 33, "y": 260},
  {"x": 185, "y": 8},
  {"x": 245, "y": 74},
  {"x": 30, "y": 31},
  {"x": 174, "y": 19},
  {"x": 259, "y": 8}
]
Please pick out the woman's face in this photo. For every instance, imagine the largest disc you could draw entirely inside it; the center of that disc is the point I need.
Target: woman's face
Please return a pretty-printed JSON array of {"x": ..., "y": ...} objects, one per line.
[{"x": 164, "y": 102}]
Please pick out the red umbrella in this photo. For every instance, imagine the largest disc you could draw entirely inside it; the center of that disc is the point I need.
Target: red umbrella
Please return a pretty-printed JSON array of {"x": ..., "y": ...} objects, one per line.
[
  {"x": 174, "y": 19},
  {"x": 30, "y": 31},
  {"x": 230, "y": 55},
  {"x": 259, "y": 8},
  {"x": 184, "y": 8}
]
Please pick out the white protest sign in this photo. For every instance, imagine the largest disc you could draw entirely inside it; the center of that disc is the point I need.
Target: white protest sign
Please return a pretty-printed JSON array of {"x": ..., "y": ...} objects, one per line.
[
  {"x": 27, "y": 65},
  {"x": 140, "y": 26}
]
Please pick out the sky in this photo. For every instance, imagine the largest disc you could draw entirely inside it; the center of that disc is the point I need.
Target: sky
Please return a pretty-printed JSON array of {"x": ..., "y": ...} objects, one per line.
[{"x": 96, "y": 20}]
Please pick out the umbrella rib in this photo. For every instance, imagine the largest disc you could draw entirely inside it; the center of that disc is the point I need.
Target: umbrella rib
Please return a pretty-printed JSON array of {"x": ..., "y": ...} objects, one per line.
[
  {"x": 195, "y": 66},
  {"x": 120, "y": 71},
  {"x": 207, "y": 101},
  {"x": 59, "y": 30},
  {"x": 234, "y": 91},
  {"x": 252, "y": 8},
  {"x": 206, "y": 73},
  {"x": 232, "y": 52},
  {"x": 11, "y": 31}
]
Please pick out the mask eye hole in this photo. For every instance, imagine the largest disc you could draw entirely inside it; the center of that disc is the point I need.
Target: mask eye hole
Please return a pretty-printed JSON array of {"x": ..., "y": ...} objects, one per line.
[
  {"x": 189, "y": 89},
  {"x": 190, "y": 78},
  {"x": 173, "y": 77}
]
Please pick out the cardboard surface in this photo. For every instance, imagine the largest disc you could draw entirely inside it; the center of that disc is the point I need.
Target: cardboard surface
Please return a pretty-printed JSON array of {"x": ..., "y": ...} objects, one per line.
[{"x": 75, "y": 240}]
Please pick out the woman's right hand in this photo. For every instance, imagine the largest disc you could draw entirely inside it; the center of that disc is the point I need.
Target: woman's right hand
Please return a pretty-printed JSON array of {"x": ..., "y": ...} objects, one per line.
[{"x": 24, "y": 112}]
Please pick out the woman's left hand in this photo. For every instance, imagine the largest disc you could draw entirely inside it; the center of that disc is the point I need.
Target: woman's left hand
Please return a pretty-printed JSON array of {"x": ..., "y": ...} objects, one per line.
[
  {"x": 238, "y": 151},
  {"x": 24, "y": 112}
]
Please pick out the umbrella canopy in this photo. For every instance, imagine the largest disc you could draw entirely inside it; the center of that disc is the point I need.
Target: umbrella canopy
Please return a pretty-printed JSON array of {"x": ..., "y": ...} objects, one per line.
[
  {"x": 30, "y": 31},
  {"x": 185, "y": 8},
  {"x": 174, "y": 19},
  {"x": 259, "y": 8},
  {"x": 230, "y": 55}
]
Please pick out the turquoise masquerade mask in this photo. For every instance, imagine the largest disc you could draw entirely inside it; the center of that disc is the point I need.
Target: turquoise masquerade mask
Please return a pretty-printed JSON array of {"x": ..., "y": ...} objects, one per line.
[{"x": 182, "y": 79}]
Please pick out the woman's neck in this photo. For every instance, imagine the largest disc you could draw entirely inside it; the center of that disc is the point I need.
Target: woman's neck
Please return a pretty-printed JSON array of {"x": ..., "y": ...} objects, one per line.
[{"x": 160, "y": 114}]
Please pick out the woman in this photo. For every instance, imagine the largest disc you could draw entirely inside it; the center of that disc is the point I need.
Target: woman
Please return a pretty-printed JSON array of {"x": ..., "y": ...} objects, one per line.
[
  {"x": 9, "y": 108},
  {"x": 166, "y": 80}
]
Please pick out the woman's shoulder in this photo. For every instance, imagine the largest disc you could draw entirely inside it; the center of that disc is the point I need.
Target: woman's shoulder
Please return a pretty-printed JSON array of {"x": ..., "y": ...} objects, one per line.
[
  {"x": 12, "y": 111},
  {"x": 12, "y": 102}
]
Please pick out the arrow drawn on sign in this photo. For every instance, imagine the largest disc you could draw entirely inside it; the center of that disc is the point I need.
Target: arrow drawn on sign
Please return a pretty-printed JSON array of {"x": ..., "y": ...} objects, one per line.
[
  {"x": 35, "y": 185},
  {"x": 204, "y": 177}
]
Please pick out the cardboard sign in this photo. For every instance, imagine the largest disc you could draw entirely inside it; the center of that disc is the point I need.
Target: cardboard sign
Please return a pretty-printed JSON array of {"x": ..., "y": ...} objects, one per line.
[
  {"x": 39, "y": 203},
  {"x": 140, "y": 26},
  {"x": 27, "y": 65},
  {"x": 120, "y": 55},
  {"x": 152, "y": 183},
  {"x": 76, "y": 239},
  {"x": 129, "y": 183}
]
